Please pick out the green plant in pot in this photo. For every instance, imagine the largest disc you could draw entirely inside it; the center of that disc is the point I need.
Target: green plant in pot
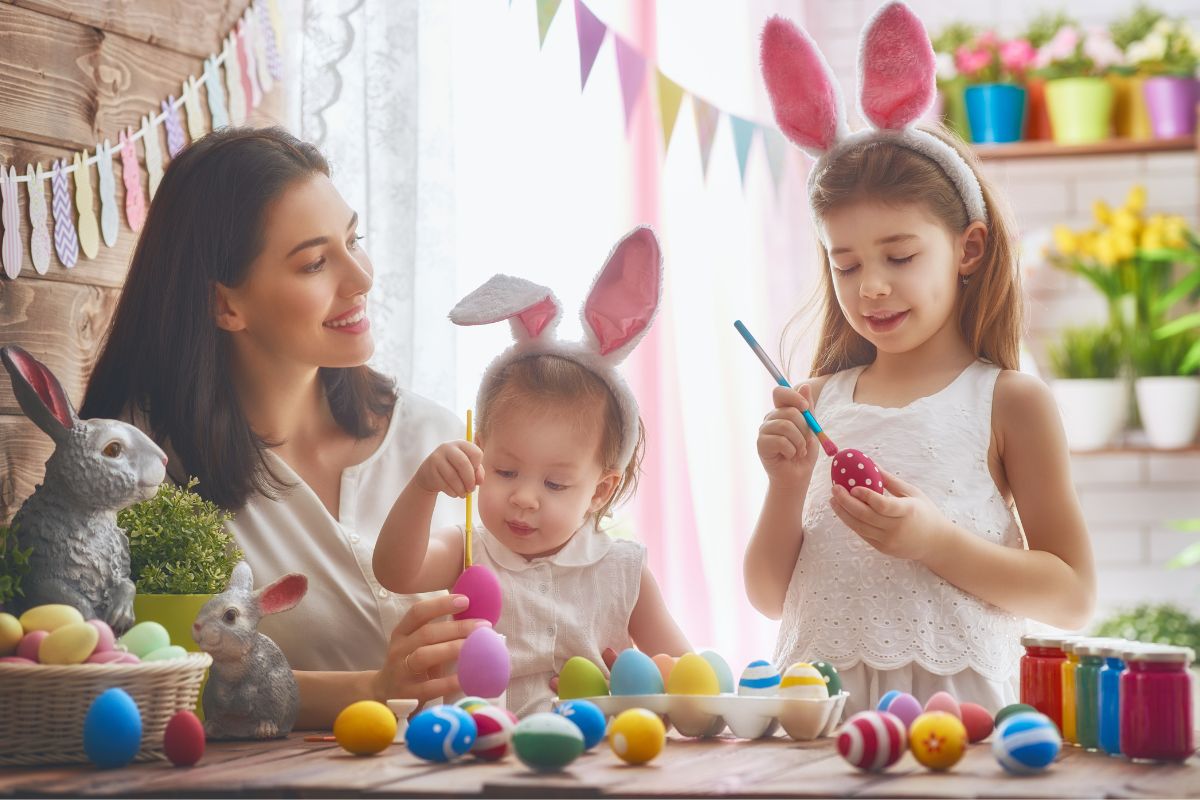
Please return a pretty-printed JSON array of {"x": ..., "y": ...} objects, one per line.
[
  {"x": 1074, "y": 64},
  {"x": 1162, "y": 623},
  {"x": 1092, "y": 396},
  {"x": 14, "y": 565}
]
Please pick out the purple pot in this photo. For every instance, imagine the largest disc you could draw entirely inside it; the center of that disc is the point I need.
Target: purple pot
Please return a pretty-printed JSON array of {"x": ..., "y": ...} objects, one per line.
[{"x": 1171, "y": 101}]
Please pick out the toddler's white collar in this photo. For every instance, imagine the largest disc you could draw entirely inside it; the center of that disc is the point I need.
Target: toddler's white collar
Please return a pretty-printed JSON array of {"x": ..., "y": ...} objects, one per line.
[{"x": 587, "y": 546}]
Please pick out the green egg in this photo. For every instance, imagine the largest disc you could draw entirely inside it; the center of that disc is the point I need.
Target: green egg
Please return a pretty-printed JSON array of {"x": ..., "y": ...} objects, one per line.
[
  {"x": 144, "y": 638},
  {"x": 581, "y": 678},
  {"x": 168, "y": 653},
  {"x": 833, "y": 681},
  {"x": 547, "y": 742},
  {"x": 1009, "y": 710}
]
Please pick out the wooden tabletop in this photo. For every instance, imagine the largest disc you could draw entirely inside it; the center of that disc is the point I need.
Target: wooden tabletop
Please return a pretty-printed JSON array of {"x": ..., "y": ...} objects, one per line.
[{"x": 770, "y": 768}]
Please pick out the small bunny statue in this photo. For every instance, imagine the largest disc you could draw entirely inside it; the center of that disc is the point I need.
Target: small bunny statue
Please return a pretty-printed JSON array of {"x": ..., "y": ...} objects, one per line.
[
  {"x": 99, "y": 466},
  {"x": 251, "y": 692}
]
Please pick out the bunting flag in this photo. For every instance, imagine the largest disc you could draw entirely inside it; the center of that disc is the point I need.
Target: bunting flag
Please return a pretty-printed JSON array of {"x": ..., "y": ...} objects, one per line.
[
  {"x": 776, "y": 148},
  {"x": 175, "y": 142},
  {"x": 670, "y": 96},
  {"x": 39, "y": 237},
  {"x": 66, "y": 242},
  {"x": 191, "y": 107},
  {"x": 631, "y": 68},
  {"x": 546, "y": 9},
  {"x": 89, "y": 231},
  {"x": 707, "y": 117},
  {"x": 135, "y": 199},
  {"x": 591, "y": 35},
  {"x": 110, "y": 222},
  {"x": 216, "y": 94},
  {"x": 154, "y": 162},
  {"x": 12, "y": 250},
  {"x": 233, "y": 86},
  {"x": 743, "y": 137}
]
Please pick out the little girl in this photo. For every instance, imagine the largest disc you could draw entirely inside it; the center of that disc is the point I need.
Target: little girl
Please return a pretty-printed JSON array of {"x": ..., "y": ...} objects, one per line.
[
  {"x": 558, "y": 444},
  {"x": 923, "y": 588}
]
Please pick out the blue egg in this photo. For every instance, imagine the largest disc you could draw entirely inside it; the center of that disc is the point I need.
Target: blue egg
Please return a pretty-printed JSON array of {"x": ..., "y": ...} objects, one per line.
[
  {"x": 1026, "y": 743},
  {"x": 759, "y": 678},
  {"x": 587, "y": 717},
  {"x": 634, "y": 672},
  {"x": 885, "y": 702},
  {"x": 112, "y": 729},
  {"x": 721, "y": 667},
  {"x": 441, "y": 733}
]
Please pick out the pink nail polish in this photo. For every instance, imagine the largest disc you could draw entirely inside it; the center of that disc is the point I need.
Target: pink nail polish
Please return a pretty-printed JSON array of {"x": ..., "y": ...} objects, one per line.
[{"x": 461, "y": 602}]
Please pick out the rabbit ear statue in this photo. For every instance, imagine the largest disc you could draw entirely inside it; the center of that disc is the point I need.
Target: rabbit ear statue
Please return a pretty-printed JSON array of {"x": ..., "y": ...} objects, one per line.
[{"x": 99, "y": 466}]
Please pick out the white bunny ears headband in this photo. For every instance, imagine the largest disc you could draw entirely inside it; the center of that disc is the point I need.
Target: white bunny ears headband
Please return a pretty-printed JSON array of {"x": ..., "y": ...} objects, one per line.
[
  {"x": 616, "y": 315},
  {"x": 896, "y": 85}
]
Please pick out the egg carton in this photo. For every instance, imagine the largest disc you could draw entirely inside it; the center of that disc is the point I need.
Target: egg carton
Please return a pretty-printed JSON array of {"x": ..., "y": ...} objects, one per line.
[{"x": 746, "y": 716}]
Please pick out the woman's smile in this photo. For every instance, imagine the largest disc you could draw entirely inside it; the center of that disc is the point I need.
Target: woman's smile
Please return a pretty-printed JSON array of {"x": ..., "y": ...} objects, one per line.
[{"x": 353, "y": 321}]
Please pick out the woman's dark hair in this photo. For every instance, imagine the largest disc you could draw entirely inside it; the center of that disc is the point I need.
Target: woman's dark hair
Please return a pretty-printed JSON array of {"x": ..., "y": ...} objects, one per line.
[{"x": 164, "y": 355}]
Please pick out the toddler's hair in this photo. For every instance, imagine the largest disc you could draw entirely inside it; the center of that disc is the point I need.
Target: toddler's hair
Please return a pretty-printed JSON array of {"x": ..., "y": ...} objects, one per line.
[
  {"x": 990, "y": 305},
  {"x": 550, "y": 383}
]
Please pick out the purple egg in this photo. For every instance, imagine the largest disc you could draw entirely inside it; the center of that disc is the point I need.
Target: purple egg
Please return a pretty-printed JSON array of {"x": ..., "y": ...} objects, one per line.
[
  {"x": 906, "y": 707},
  {"x": 29, "y": 644},
  {"x": 483, "y": 664},
  {"x": 480, "y": 585},
  {"x": 107, "y": 639}
]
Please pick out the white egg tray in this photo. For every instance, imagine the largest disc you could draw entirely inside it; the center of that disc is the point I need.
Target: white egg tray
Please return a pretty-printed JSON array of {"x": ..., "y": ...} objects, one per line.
[{"x": 746, "y": 717}]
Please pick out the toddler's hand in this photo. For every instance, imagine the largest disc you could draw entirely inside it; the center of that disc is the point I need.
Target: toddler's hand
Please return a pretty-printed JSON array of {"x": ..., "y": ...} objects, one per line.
[
  {"x": 787, "y": 448},
  {"x": 904, "y": 524},
  {"x": 454, "y": 468}
]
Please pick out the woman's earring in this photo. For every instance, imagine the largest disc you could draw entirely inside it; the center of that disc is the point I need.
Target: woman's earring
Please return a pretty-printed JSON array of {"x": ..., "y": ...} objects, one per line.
[{"x": 966, "y": 279}]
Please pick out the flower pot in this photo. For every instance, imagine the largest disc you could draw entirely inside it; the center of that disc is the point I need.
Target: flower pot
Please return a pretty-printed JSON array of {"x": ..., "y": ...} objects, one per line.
[
  {"x": 1080, "y": 109},
  {"x": 954, "y": 108},
  {"x": 1037, "y": 115},
  {"x": 1131, "y": 120},
  {"x": 996, "y": 112},
  {"x": 1170, "y": 409},
  {"x": 1094, "y": 411},
  {"x": 1171, "y": 101},
  {"x": 176, "y": 613}
]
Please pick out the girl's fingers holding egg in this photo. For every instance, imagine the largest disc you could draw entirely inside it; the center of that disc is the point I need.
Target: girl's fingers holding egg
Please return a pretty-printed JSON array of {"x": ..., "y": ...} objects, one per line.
[
  {"x": 424, "y": 612},
  {"x": 881, "y": 505},
  {"x": 855, "y": 512}
]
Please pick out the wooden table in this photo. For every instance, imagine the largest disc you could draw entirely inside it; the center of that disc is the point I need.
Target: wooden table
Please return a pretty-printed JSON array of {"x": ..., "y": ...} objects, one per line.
[{"x": 774, "y": 768}]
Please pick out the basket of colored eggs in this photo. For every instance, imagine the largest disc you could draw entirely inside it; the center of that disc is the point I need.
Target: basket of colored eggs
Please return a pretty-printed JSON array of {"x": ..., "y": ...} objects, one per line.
[
  {"x": 53, "y": 667},
  {"x": 696, "y": 694}
]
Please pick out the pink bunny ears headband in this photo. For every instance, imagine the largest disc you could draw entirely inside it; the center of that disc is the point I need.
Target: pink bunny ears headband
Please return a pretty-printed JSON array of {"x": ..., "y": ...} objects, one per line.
[
  {"x": 616, "y": 315},
  {"x": 896, "y": 85}
]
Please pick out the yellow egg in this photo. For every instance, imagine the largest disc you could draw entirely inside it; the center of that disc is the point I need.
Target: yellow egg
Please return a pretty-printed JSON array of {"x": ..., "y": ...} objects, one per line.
[
  {"x": 938, "y": 739},
  {"x": 803, "y": 680},
  {"x": 365, "y": 728},
  {"x": 69, "y": 644},
  {"x": 692, "y": 674},
  {"x": 49, "y": 617},
  {"x": 10, "y": 634},
  {"x": 637, "y": 735}
]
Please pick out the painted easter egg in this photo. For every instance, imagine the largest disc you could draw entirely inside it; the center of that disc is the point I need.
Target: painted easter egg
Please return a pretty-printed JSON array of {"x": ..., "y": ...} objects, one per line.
[
  {"x": 581, "y": 678},
  {"x": 665, "y": 664},
  {"x": 441, "y": 733},
  {"x": 494, "y": 729},
  {"x": 693, "y": 675},
  {"x": 471, "y": 704},
  {"x": 112, "y": 729},
  {"x": 480, "y": 585},
  {"x": 547, "y": 742},
  {"x": 107, "y": 639},
  {"x": 1026, "y": 743},
  {"x": 637, "y": 735},
  {"x": 10, "y": 634},
  {"x": 168, "y": 653},
  {"x": 977, "y": 721},
  {"x": 721, "y": 667},
  {"x": 144, "y": 638},
  {"x": 30, "y": 644},
  {"x": 872, "y": 740},
  {"x": 635, "y": 673},
  {"x": 1013, "y": 708},
  {"x": 851, "y": 468},
  {"x": 587, "y": 717},
  {"x": 938, "y": 739},
  {"x": 49, "y": 617},
  {"x": 483, "y": 664},
  {"x": 904, "y": 706},
  {"x": 833, "y": 681},
  {"x": 183, "y": 739},
  {"x": 886, "y": 700},
  {"x": 365, "y": 728},
  {"x": 802, "y": 680},
  {"x": 943, "y": 701},
  {"x": 69, "y": 644},
  {"x": 759, "y": 679}
]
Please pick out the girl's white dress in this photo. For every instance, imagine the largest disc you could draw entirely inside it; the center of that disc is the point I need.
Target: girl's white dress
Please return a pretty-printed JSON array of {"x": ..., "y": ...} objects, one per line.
[{"x": 889, "y": 623}]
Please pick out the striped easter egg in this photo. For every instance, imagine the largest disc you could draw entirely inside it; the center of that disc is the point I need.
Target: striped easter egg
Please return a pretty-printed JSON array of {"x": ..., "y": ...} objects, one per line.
[
  {"x": 803, "y": 680},
  {"x": 872, "y": 740},
  {"x": 1026, "y": 743},
  {"x": 495, "y": 727},
  {"x": 759, "y": 678}
]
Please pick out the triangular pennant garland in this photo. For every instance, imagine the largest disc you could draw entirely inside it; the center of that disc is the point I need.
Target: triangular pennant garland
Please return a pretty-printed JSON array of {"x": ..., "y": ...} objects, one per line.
[
  {"x": 707, "y": 117},
  {"x": 743, "y": 137},
  {"x": 631, "y": 68},
  {"x": 670, "y": 95},
  {"x": 546, "y": 9},
  {"x": 591, "y": 35}
]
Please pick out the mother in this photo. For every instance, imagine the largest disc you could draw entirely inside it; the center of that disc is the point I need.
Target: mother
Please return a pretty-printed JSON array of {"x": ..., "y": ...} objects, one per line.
[{"x": 240, "y": 344}]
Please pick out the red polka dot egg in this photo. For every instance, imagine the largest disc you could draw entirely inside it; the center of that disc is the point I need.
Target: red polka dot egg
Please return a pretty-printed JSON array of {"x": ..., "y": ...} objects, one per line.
[
  {"x": 872, "y": 740},
  {"x": 851, "y": 468}
]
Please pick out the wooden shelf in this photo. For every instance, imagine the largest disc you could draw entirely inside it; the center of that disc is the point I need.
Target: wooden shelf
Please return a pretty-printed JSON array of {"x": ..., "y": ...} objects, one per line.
[{"x": 1048, "y": 149}]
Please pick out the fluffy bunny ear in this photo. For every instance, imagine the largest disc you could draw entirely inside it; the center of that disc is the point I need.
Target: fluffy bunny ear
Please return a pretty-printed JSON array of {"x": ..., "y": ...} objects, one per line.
[
  {"x": 896, "y": 68},
  {"x": 624, "y": 298},
  {"x": 804, "y": 93},
  {"x": 242, "y": 578},
  {"x": 532, "y": 310},
  {"x": 38, "y": 392},
  {"x": 283, "y": 594}
]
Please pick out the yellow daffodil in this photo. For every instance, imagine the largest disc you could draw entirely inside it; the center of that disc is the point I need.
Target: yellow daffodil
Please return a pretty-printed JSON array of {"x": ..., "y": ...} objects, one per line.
[
  {"x": 1135, "y": 201},
  {"x": 1127, "y": 221},
  {"x": 1065, "y": 240},
  {"x": 1152, "y": 239},
  {"x": 1106, "y": 252},
  {"x": 1101, "y": 212}
]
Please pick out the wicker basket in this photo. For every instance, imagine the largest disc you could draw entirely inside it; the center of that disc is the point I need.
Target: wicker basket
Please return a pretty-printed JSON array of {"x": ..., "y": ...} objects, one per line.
[{"x": 42, "y": 707}]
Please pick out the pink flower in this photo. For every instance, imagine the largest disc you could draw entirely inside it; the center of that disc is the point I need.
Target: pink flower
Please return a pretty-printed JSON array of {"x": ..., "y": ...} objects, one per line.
[
  {"x": 986, "y": 39},
  {"x": 1099, "y": 47},
  {"x": 1017, "y": 54},
  {"x": 971, "y": 61},
  {"x": 1061, "y": 47}
]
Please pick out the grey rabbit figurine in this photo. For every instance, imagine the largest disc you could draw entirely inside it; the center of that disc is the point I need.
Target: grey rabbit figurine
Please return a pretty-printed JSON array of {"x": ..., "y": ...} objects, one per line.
[
  {"x": 251, "y": 692},
  {"x": 99, "y": 466}
]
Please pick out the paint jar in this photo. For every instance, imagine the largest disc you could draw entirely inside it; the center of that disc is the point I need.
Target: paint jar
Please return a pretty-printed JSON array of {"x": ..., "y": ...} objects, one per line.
[
  {"x": 1069, "y": 665},
  {"x": 1109, "y": 733},
  {"x": 1156, "y": 703},
  {"x": 1087, "y": 692},
  {"x": 1041, "y": 674}
]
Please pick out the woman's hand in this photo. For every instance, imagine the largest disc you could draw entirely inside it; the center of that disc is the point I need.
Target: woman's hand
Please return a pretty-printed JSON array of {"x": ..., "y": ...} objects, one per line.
[
  {"x": 454, "y": 468},
  {"x": 421, "y": 645},
  {"x": 905, "y": 525},
  {"x": 787, "y": 448}
]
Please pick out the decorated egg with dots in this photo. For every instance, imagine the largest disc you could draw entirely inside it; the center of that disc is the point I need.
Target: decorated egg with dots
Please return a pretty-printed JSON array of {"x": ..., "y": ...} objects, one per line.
[
  {"x": 183, "y": 739},
  {"x": 804, "y": 681},
  {"x": 943, "y": 701},
  {"x": 759, "y": 679},
  {"x": 1026, "y": 743},
  {"x": 547, "y": 742},
  {"x": 977, "y": 721},
  {"x": 938, "y": 739},
  {"x": 587, "y": 717},
  {"x": 494, "y": 727},
  {"x": 637, "y": 735},
  {"x": 833, "y": 681},
  {"x": 903, "y": 705},
  {"x": 851, "y": 468},
  {"x": 441, "y": 733},
  {"x": 872, "y": 740}
]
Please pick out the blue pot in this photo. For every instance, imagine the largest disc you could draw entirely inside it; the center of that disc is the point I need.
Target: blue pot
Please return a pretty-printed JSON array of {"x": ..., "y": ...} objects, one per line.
[{"x": 996, "y": 112}]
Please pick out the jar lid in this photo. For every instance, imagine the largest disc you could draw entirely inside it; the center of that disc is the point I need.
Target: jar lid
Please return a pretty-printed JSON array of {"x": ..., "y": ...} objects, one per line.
[
  {"x": 1116, "y": 649},
  {"x": 1161, "y": 653},
  {"x": 1045, "y": 640},
  {"x": 1100, "y": 647}
]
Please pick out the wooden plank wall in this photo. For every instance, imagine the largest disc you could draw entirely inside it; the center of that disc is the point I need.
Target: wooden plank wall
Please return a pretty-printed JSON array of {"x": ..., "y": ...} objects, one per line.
[{"x": 74, "y": 72}]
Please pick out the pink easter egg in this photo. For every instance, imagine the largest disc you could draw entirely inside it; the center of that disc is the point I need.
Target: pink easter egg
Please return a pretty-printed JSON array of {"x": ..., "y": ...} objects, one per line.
[
  {"x": 480, "y": 585},
  {"x": 872, "y": 740},
  {"x": 15, "y": 660},
  {"x": 906, "y": 707},
  {"x": 977, "y": 720},
  {"x": 483, "y": 664},
  {"x": 30, "y": 643},
  {"x": 851, "y": 468},
  {"x": 944, "y": 701},
  {"x": 665, "y": 664},
  {"x": 107, "y": 638},
  {"x": 109, "y": 657},
  {"x": 128, "y": 658}
]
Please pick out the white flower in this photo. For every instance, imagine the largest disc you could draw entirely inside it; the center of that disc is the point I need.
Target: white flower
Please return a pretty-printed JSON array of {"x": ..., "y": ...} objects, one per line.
[
  {"x": 1163, "y": 27},
  {"x": 1099, "y": 47},
  {"x": 946, "y": 70},
  {"x": 1152, "y": 48}
]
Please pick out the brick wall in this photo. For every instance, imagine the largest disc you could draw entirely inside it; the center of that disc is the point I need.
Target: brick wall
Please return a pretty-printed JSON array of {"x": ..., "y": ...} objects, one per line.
[{"x": 1128, "y": 497}]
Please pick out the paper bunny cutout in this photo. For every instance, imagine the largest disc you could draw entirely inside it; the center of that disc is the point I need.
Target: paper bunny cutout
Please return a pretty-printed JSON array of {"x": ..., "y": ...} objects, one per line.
[
  {"x": 89, "y": 231},
  {"x": 233, "y": 83},
  {"x": 246, "y": 62},
  {"x": 131, "y": 176},
  {"x": 12, "y": 249},
  {"x": 175, "y": 140},
  {"x": 109, "y": 219},
  {"x": 154, "y": 155},
  {"x": 617, "y": 314},
  {"x": 39, "y": 233},
  {"x": 66, "y": 240},
  {"x": 268, "y": 27},
  {"x": 259, "y": 43},
  {"x": 216, "y": 94},
  {"x": 191, "y": 108},
  {"x": 896, "y": 85}
]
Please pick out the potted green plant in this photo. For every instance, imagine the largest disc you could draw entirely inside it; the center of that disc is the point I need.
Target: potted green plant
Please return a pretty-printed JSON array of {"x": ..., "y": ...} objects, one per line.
[
  {"x": 1038, "y": 32},
  {"x": 1168, "y": 395},
  {"x": 1092, "y": 397},
  {"x": 1131, "y": 120},
  {"x": 14, "y": 565},
  {"x": 1168, "y": 56},
  {"x": 951, "y": 84},
  {"x": 1080, "y": 100},
  {"x": 994, "y": 69}
]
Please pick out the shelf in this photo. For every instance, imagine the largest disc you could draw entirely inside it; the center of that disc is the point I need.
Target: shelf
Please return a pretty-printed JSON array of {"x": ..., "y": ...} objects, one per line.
[{"x": 1048, "y": 149}]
